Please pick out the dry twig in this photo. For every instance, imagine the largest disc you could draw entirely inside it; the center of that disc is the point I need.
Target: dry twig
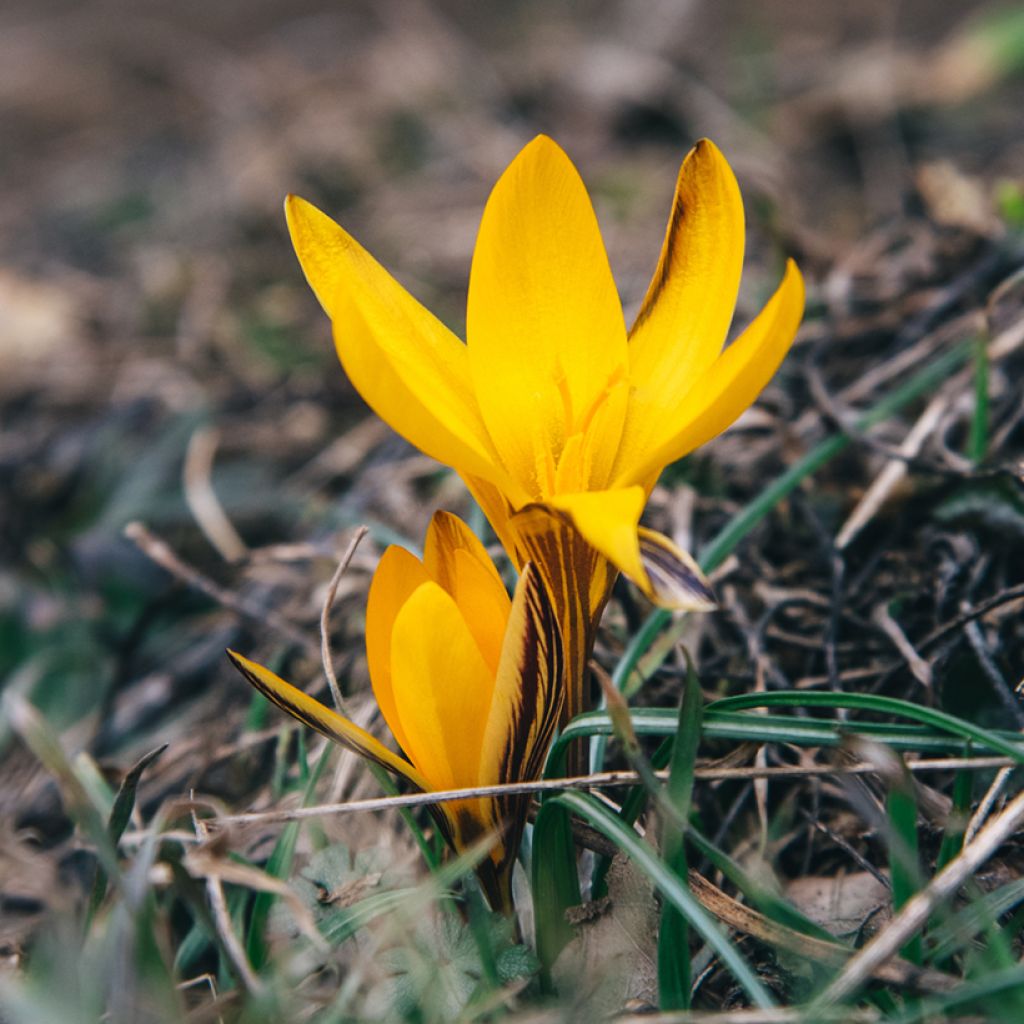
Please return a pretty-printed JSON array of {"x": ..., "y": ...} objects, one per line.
[
  {"x": 920, "y": 668},
  {"x": 325, "y": 618}
]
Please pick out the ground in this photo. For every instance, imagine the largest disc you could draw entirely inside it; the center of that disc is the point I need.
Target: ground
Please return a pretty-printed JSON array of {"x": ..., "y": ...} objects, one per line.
[{"x": 162, "y": 362}]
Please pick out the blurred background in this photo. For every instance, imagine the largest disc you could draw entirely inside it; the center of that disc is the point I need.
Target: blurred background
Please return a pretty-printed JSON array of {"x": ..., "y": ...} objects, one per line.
[{"x": 162, "y": 360}]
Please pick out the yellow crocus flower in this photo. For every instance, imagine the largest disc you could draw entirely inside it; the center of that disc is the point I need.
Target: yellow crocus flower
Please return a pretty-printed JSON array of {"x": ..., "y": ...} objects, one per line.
[
  {"x": 558, "y": 419},
  {"x": 469, "y": 682}
]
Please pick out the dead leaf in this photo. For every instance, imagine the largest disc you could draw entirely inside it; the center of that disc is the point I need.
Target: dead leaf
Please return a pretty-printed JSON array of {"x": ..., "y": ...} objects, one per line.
[
  {"x": 841, "y": 904},
  {"x": 612, "y": 960}
]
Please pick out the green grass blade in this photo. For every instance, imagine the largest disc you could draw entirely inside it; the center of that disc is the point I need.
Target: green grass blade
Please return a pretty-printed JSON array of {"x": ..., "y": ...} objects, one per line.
[
  {"x": 974, "y": 994},
  {"x": 937, "y": 737},
  {"x": 631, "y": 809},
  {"x": 432, "y": 854},
  {"x": 956, "y": 824},
  {"x": 671, "y": 888},
  {"x": 995, "y": 947},
  {"x": 279, "y": 865},
  {"x": 939, "y": 720},
  {"x": 959, "y": 928},
  {"x": 120, "y": 815},
  {"x": 904, "y": 859},
  {"x": 44, "y": 743},
  {"x": 480, "y": 929},
  {"x": 977, "y": 441},
  {"x": 762, "y": 898},
  {"x": 674, "y": 970},
  {"x": 555, "y": 883},
  {"x": 679, "y": 788}
]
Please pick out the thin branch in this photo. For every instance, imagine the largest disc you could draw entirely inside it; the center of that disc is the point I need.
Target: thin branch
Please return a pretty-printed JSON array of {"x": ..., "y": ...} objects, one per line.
[
  {"x": 596, "y": 780},
  {"x": 325, "y": 618},
  {"x": 920, "y": 668}
]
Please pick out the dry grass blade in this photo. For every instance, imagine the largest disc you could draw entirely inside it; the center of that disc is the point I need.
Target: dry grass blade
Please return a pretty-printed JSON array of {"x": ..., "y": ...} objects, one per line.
[
  {"x": 884, "y": 946},
  {"x": 202, "y": 499},
  {"x": 225, "y": 930},
  {"x": 325, "y": 618},
  {"x": 203, "y": 863}
]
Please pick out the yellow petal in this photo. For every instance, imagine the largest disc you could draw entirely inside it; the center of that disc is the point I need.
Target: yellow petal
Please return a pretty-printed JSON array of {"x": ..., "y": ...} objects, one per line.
[
  {"x": 498, "y": 511},
  {"x": 524, "y": 712},
  {"x": 455, "y": 559},
  {"x": 546, "y": 338},
  {"x": 578, "y": 580},
  {"x": 398, "y": 574},
  {"x": 442, "y": 688},
  {"x": 685, "y": 317},
  {"x": 529, "y": 688},
  {"x": 686, "y": 313},
  {"x": 736, "y": 378},
  {"x": 609, "y": 522},
  {"x": 408, "y": 367},
  {"x": 320, "y": 717}
]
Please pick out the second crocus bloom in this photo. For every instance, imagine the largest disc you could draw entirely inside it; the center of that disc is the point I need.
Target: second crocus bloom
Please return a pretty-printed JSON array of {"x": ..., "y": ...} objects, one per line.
[{"x": 469, "y": 682}]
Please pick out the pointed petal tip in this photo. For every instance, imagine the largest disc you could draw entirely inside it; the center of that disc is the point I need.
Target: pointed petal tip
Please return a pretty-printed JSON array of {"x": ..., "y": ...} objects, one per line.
[
  {"x": 298, "y": 211},
  {"x": 294, "y": 207},
  {"x": 675, "y": 579},
  {"x": 702, "y": 600},
  {"x": 443, "y": 518},
  {"x": 792, "y": 290},
  {"x": 540, "y": 148},
  {"x": 293, "y": 203},
  {"x": 240, "y": 661},
  {"x": 793, "y": 273},
  {"x": 542, "y": 141},
  {"x": 706, "y": 146},
  {"x": 705, "y": 150}
]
